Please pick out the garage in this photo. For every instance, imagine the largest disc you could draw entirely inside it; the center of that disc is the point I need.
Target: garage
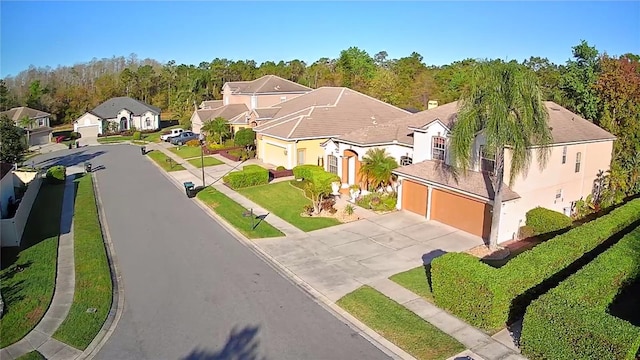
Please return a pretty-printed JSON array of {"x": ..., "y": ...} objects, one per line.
[
  {"x": 414, "y": 197},
  {"x": 461, "y": 212},
  {"x": 275, "y": 155},
  {"x": 39, "y": 137},
  {"x": 88, "y": 131}
]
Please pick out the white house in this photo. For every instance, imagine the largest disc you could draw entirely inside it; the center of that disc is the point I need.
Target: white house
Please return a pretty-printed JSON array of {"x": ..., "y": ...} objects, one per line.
[{"x": 118, "y": 114}]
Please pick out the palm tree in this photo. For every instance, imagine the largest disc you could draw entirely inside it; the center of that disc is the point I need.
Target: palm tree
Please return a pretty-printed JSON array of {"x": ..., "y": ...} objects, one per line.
[
  {"x": 503, "y": 102},
  {"x": 377, "y": 167},
  {"x": 217, "y": 126}
]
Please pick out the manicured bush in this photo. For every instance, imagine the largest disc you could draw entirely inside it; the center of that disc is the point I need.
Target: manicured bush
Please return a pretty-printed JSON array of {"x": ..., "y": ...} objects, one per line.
[
  {"x": 137, "y": 135},
  {"x": 572, "y": 322},
  {"x": 280, "y": 168},
  {"x": 306, "y": 171},
  {"x": 75, "y": 135},
  {"x": 251, "y": 175},
  {"x": 488, "y": 297},
  {"x": 192, "y": 143},
  {"x": 56, "y": 174},
  {"x": 544, "y": 221},
  {"x": 245, "y": 137}
]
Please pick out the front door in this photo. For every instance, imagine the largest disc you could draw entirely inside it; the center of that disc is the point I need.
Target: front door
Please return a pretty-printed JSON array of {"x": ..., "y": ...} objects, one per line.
[{"x": 301, "y": 156}]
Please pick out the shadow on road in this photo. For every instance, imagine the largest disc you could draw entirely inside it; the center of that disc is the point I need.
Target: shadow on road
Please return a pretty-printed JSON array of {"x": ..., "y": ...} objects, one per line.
[
  {"x": 74, "y": 158},
  {"x": 240, "y": 345}
]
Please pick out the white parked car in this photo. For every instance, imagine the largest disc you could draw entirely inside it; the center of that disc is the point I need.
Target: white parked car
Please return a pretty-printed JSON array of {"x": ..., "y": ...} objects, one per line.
[{"x": 173, "y": 133}]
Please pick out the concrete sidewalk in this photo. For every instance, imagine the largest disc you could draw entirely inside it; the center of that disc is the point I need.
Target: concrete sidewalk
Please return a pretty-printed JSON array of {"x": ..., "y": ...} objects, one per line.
[{"x": 40, "y": 337}]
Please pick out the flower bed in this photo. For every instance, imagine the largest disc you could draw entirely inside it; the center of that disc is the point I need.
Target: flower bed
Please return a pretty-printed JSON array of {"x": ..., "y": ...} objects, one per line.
[{"x": 209, "y": 151}]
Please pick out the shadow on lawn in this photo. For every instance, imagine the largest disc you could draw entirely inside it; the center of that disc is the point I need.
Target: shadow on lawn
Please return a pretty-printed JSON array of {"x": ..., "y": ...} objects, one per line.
[
  {"x": 240, "y": 345},
  {"x": 426, "y": 261}
]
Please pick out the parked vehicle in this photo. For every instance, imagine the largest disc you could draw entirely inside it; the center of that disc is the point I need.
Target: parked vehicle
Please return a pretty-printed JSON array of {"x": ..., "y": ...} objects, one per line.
[
  {"x": 171, "y": 134},
  {"x": 183, "y": 138}
]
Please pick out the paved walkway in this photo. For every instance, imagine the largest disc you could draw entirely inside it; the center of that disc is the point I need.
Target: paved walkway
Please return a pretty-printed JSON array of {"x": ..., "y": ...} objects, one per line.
[{"x": 40, "y": 337}]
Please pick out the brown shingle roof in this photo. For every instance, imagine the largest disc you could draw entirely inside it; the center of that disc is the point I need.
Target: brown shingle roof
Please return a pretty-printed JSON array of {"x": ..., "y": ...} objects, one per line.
[
  {"x": 473, "y": 182},
  {"x": 267, "y": 84},
  {"x": 565, "y": 126},
  {"x": 399, "y": 129},
  {"x": 211, "y": 104},
  {"x": 266, "y": 113},
  {"x": 327, "y": 112},
  {"x": 227, "y": 112},
  {"x": 18, "y": 113}
]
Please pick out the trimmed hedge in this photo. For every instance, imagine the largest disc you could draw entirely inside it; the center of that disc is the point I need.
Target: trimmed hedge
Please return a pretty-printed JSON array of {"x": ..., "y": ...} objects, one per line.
[
  {"x": 137, "y": 135},
  {"x": 543, "y": 220},
  {"x": 306, "y": 171},
  {"x": 56, "y": 174},
  {"x": 571, "y": 321},
  {"x": 251, "y": 175},
  {"x": 488, "y": 297}
]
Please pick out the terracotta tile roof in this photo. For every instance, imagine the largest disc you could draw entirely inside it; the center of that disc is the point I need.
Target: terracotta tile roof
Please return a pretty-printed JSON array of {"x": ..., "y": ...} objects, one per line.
[
  {"x": 18, "y": 113},
  {"x": 565, "y": 126},
  {"x": 473, "y": 182},
  {"x": 399, "y": 129},
  {"x": 266, "y": 113},
  {"x": 267, "y": 84},
  {"x": 227, "y": 112},
  {"x": 211, "y": 104},
  {"x": 327, "y": 112}
]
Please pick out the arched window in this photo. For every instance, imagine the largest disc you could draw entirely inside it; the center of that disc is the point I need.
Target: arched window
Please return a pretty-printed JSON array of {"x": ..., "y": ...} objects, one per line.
[
  {"x": 405, "y": 160},
  {"x": 123, "y": 123}
]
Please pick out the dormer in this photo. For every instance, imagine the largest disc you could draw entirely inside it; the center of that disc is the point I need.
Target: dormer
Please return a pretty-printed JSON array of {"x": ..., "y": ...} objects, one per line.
[{"x": 430, "y": 142}]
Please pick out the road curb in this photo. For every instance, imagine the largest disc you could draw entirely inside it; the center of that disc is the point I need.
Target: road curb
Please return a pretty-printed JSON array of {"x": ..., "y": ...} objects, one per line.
[{"x": 117, "y": 301}]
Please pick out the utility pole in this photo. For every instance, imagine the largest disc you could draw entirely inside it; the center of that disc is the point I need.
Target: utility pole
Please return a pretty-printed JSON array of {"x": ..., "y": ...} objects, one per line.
[{"x": 202, "y": 157}]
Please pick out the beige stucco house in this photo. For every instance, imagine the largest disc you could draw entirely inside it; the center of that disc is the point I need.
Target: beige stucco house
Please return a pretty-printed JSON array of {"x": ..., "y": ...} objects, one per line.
[
  {"x": 119, "y": 113},
  {"x": 293, "y": 134},
  {"x": 427, "y": 186},
  {"x": 36, "y": 124}
]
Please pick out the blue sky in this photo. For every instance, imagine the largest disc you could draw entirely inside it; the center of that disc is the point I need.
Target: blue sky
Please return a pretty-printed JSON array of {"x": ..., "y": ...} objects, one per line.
[{"x": 63, "y": 33}]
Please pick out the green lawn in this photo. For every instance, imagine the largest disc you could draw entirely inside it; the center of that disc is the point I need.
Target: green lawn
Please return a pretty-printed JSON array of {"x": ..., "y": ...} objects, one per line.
[
  {"x": 286, "y": 202},
  {"x": 399, "y": 325},
  {"x": 93, "y": 277},
  {"x": 416, "y": 281},
  {"x": 162, "y": 160},
  {"x": 186, "y": 152},
  {"x": 232, "y": 212},
  {"x": 28, "y": 274},
  {"x": 139, "y": 142},
  {"x": 114, "y": 139},
  {"x": 208, "y": 161},
  {"x": 34, "y": 355},
  {"x": 155, "y": 136}
]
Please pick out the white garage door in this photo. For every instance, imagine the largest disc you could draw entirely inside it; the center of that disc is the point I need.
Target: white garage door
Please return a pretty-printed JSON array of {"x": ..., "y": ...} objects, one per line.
[
  {"x": 38, "y": 138},
  {"x": 88, "y": 131}
]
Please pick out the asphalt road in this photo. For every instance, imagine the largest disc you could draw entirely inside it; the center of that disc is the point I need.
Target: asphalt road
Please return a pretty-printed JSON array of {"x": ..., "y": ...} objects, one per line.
[{"x": 192, "y": 291}]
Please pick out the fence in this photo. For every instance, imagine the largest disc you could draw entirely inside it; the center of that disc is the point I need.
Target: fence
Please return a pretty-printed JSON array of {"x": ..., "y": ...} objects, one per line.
[{"x": 11, "y": 229}]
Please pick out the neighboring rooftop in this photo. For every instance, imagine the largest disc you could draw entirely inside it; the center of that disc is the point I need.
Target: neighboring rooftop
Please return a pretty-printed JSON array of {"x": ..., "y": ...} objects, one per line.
[
  {"x": 266, "y": 113},
  {"x": 110, "y": 108},
  {"x": 18, "y": 113},
  {"x": 5, "y": 168},
  {"x": 266, "y": 84},
  {"x": 474, "y": 182},
  {"x": 565, "y": 125},
  {"x": 211, "y": 104},
  {"x": 327, "y": 112}
]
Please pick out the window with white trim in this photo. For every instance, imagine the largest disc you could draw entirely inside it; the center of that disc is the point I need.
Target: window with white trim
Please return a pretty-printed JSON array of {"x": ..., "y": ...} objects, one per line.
[
  {"x": 332, "y": 164},
  {"x": 405, "y": 160},
  {"x": 438, "y": 148},
  {"x": 487, "y": 162},
  {"x": 564, "y": 154},
  {"x": 578, "y": 160},
  {"x": 148, "y": 122}
]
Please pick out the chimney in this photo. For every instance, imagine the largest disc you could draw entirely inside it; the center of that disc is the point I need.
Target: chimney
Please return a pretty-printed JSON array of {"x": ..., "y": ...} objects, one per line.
[{"x": 432, "y": 104}]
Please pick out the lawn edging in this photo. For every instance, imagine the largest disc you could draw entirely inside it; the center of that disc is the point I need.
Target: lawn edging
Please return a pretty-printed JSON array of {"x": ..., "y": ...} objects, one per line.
[{"x": 93, "y": 288}]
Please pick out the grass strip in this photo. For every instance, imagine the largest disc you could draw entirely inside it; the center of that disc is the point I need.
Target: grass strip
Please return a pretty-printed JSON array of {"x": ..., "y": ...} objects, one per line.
[
  {"x": 28, "y": 274},
  {"x": 163, "y": 160},
  {"x": 93, "y": 277},
  {"x": 208, "y": 161},
  {"x": 233, "y": 212},
  {"x": 416, "y": 281},
  {"x": 186, "y": 152},
  {"x": 399, "y": 325},
  {"x": 33, "y": 355}
]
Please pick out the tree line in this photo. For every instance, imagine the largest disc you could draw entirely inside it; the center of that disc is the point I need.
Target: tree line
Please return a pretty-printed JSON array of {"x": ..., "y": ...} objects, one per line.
[{"x": 604, "y": 89}]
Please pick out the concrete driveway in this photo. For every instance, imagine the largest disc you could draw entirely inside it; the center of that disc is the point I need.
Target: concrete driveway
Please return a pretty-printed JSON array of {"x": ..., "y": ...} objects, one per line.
[
  {"x": 191, "y": 290},
  {"x": 339, "y": 259}
]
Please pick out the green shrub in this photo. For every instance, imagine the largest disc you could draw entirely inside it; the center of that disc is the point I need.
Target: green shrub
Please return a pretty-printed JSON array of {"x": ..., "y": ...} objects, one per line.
[
  {"x": 306, "y": 171},
  {"x": 191, "y": 143},
  {"x": 488, "y": 297},
  {"x": 137, "y": 135},
  {"x": 74, "y": 135},
  {"x": 378, "y": 202},
  {"x": 251, "y": 175},
  {"x": 56, "y": 174},
  {"x": 572, "y": 322},
  {"x": 280, "y": 168},
  {"x": 544, "y": 221}
]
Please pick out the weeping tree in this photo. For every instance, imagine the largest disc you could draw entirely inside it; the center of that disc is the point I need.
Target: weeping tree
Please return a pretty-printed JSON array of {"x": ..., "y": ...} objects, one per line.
[{"x": 503, "y": 102}]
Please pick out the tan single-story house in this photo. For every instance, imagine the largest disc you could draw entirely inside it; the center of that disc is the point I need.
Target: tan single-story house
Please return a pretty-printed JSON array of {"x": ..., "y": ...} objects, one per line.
[{"x": 117, "y": 114}]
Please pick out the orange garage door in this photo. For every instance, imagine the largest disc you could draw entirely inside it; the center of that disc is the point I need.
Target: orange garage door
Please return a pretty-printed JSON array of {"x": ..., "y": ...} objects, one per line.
[
  {"x": 414, "y": 197},
  {"x": 464, "y": 213}
]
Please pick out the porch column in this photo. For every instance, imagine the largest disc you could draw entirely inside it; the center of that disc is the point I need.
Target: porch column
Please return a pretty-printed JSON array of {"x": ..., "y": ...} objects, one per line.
[
  {"x": 429, "y": 190},
  {"x": 345, "y": 170}
]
